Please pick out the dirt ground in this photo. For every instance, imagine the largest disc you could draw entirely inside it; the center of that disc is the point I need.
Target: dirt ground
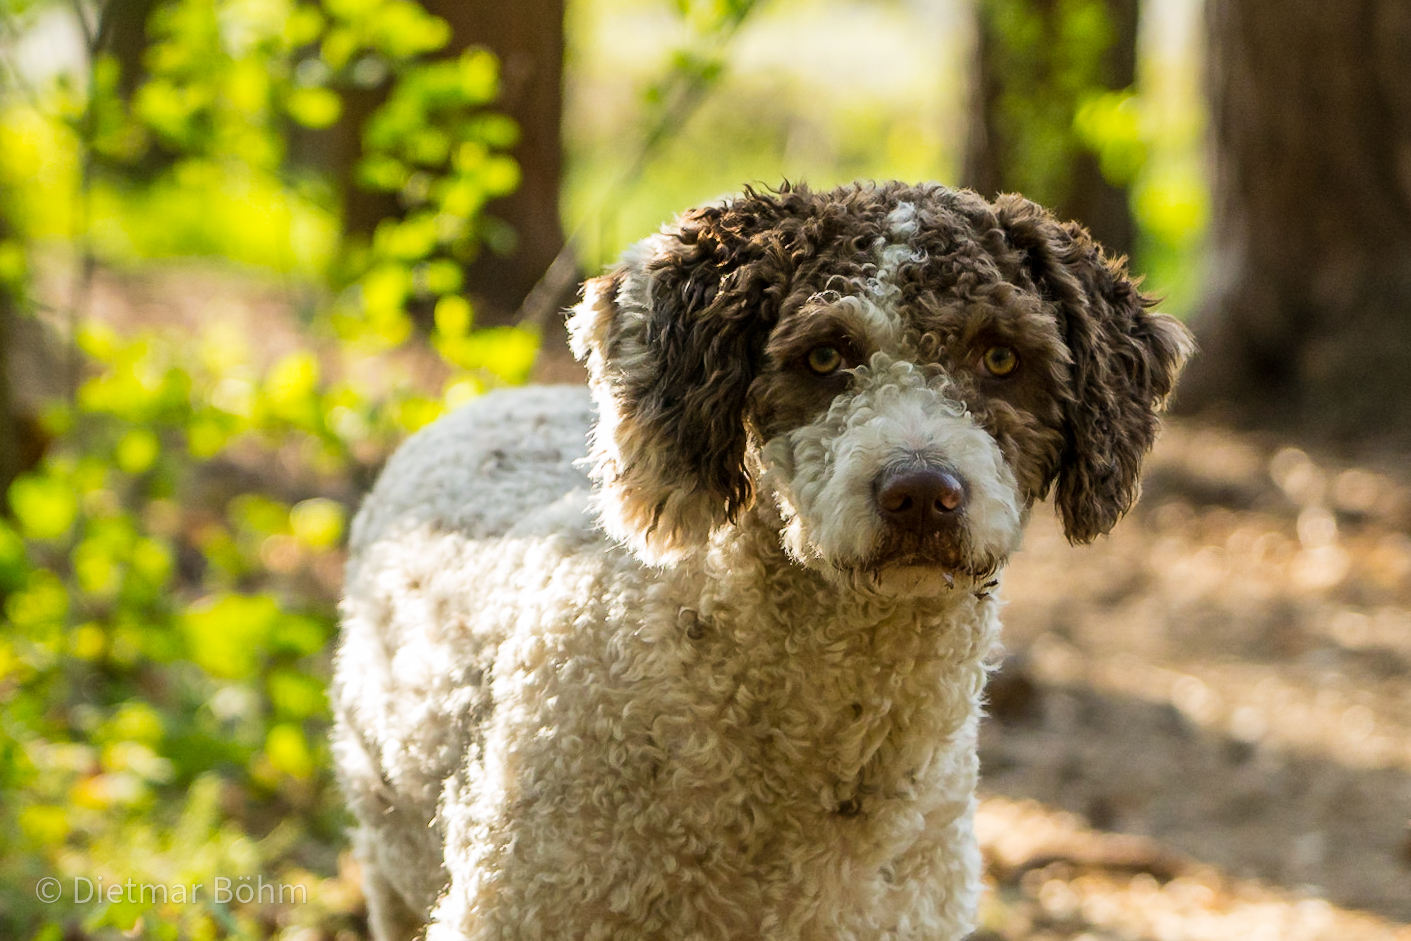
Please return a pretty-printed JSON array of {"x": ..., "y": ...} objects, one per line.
[{"x": 1201, "y": 728}]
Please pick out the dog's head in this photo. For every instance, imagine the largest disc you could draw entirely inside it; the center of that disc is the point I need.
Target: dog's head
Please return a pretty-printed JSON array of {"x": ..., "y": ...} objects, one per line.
[{"x": 899, "y": 372}]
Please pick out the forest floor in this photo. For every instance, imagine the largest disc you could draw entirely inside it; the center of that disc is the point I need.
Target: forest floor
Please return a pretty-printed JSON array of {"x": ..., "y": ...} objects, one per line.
[{"x": 1201, "y": 729}]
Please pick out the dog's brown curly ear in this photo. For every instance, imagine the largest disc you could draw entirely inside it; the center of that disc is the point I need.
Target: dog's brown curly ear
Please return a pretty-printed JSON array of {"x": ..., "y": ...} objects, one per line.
[
  {"x": 672, "y": 339},
  {"x": 1125, "y": 363}
]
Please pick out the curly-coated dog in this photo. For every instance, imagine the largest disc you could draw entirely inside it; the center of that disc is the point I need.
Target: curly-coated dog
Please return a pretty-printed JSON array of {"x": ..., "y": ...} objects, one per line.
[{"x": 701, "y": 656}]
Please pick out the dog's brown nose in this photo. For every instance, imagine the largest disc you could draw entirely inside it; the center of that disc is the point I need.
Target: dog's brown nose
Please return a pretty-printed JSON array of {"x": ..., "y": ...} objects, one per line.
[{"x": 920, "y": 499}]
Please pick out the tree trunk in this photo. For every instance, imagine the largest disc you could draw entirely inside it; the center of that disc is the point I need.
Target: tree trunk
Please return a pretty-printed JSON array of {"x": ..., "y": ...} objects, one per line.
[
  {"x": 124, "y": 35},
  {"x": 1308, "y": 317},
  {"x": 1027, "y": 88},
  {"x": 527, "y": 37}
]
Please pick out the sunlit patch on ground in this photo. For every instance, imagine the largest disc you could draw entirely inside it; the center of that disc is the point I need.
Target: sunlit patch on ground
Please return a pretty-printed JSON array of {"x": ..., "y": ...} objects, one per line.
[{"x": 1052, "y": 877}]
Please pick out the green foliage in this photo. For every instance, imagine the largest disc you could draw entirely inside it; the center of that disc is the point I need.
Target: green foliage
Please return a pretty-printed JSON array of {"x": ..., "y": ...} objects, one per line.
[
  {"x": 432, "y": 143},
  {"x": 168, "y": 572},
  {"x": 135, "y": 692},
  {"x": 445, "y": 161},
  {"x": 1055, "y": 102},
  {"x": 1108, "y": 124},
  {"x": 1053, "y": 98},
  {"x": 663, "y": 106}
]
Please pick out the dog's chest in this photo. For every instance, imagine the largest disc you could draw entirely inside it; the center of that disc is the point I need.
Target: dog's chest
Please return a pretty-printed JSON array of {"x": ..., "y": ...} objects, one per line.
[{"x": 837, "y": 714}]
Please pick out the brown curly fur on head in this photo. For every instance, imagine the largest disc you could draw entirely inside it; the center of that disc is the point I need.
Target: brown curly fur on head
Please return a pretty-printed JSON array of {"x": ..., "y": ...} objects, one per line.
[
  {"x": 702, "y": 302},
  {"x": 687, "y": 344},
  {"x": 1125, "y": 363}
]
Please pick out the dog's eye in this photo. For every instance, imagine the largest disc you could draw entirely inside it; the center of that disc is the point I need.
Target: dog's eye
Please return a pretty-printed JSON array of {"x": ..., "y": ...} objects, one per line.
[
  {"x": 999, "y": 361},
  {"x": 825, "y": 360}
]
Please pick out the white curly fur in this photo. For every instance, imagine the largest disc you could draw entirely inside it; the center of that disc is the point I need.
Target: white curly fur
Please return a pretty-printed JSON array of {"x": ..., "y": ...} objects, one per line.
[{"x": 544, "y": 733}]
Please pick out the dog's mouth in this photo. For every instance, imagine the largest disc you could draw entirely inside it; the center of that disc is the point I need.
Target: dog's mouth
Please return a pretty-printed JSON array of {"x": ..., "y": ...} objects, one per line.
[{"x": 911, "y": 564}]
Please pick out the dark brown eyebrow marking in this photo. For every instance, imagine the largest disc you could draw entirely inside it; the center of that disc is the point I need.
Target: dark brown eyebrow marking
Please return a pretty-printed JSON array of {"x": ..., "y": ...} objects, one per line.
[{"x": 799, "y": 334}]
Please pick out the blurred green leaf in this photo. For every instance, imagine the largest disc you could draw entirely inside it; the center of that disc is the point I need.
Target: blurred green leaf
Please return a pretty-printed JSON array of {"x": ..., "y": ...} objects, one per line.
[
  {"x": 259, "y": 514},
  {"x": 13, "y": 264},
  {"x": 418, "y": 411},
  {"x": 296, "y": 695},
  {"x": 439, "y": 277},
  {"x": 302, "y": 25},
  {"x": 96, "y": 567},
  {"x": 137, "y": 451},
  {"x": 314, "y": 107},
  {"x": 404, "y": 240},
  {"x": 12, "y": 557},
  {"x": 381, "y": 172},
  {"x": 45, "y": 825},
  {"x": 318, "y": 522},
  {"x": 134, "y": 721},
  {"x": 507, "y": 352},
  {"x": 39, "y": 607},
  {"x": 288, "y": 751},
  {"x": 385, "y": 288},
  {"x": 45, "y": 507},
  {"x": 226, "y": 636},
  {"x": 453, "y": 317},
  {"x": 300, "y": 635},
  {"x": 1109, "y": 125}
]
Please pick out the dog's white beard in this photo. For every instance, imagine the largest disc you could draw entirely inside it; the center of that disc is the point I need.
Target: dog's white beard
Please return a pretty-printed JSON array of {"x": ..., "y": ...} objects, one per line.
[{"x": 822, "y": 478}]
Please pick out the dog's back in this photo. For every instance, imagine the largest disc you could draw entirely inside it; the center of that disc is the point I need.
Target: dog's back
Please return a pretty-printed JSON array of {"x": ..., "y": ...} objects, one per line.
[
  {"x": 496, "y": 466},
  {"x": 418, "y": 614}
]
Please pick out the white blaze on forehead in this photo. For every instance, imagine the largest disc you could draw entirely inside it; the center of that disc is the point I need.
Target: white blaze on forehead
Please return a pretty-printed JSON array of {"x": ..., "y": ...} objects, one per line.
[
  {"x": 879, "y": 326},
  {"x": 894, "y": 250},
  {"x": 902, "y": 222}
]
